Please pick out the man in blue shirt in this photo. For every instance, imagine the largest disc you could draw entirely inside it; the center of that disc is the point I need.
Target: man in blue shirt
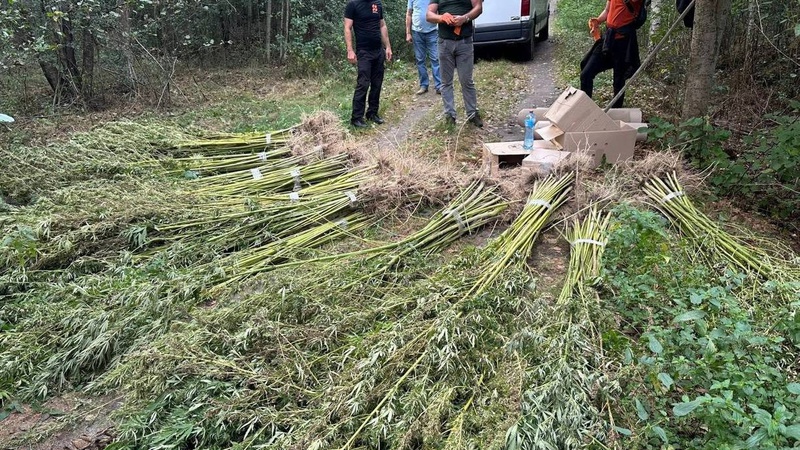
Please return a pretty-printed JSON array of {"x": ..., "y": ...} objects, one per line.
[
  {"x": 364, "y": 18},
  {"x": 423, "y": 34}
]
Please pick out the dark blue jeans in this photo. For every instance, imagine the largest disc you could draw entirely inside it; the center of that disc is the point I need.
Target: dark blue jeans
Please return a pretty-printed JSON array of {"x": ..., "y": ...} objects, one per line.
[
  {"x": 425, "y": 47},
  {"x": 370, "y": 79}
]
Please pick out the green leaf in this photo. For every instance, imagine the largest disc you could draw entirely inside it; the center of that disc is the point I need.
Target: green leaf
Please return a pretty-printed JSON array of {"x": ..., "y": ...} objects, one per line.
[
  {"x": 793, "y": 431},
  {"x": 623, "y": 431},
  {"x": 640, "y": 411},
  {"x": 689, "y": 316},
  {"x": 665, "y": 379},
  {"x": 797, "y": 30},
  {"x": 756, "y": 438},
  {"x": 654, "y": 345},
  {"x": 628, "y": 356},
  {"x": 658, "y": 431},
  {"x": 794, "y": 388},
  {"x": 685, "y": 408}
]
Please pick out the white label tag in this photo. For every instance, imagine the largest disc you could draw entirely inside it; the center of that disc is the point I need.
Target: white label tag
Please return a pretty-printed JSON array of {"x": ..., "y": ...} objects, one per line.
[
  {"x": 268, "y": 138},
  {"x": 262, "y": 156},
  {"x": 294, "y": 197},
  {"x": 256, "y": 174}
]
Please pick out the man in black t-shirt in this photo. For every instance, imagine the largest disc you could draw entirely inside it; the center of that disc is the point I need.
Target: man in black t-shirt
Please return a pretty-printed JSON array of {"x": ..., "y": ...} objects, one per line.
[
  {"x": 365, "y": 18},
  {"x": 456, "y": 53}
]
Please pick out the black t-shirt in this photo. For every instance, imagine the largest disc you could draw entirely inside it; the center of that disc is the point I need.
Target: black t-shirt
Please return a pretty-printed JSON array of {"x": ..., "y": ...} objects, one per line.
[
  {"x": 366, "y": 16},
  {"x": 456, "y": 8}
]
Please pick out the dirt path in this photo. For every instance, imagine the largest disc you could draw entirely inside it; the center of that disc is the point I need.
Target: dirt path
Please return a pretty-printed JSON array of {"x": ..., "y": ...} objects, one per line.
[{"x": 543, "y": 89}]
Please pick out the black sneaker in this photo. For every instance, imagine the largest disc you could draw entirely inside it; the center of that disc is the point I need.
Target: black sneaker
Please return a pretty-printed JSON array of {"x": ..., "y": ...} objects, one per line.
[
  {"x": 476, "y": 120},
  {"x": 449, "y": 120},
  {"x": 375, "y": 118},
  {"x": 358, "y": 123}
]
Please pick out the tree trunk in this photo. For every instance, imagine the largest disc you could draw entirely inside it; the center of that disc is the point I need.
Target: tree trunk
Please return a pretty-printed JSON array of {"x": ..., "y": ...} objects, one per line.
[
  {"x": 87, "y": 69},
  {"x": 285, "y": 31},
  {"x": 68, "y": 59},
  {"x": 655, "y": 21},
  {"x": 750, "y": 37},
  {"x": 269, "y": 31},
  {"x": 51, "y": 75},
  {"x": 125, "y": 45},
  {"x": 709, "y": 20}
]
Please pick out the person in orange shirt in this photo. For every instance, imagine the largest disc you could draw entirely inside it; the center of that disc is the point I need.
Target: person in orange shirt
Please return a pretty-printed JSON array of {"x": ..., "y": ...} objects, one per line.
[{"x": 617, "y": 49}]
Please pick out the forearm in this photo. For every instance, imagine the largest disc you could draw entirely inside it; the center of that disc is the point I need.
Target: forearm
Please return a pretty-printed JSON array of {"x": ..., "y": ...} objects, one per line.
[
  {"x": 603, "y": 15},
  {"x": 408, "y": 22},
  {"x": 348, "y": 38},
  {"x": 433, "y": 16},
  {"x": 385, "y": 37},
  {"x": 475, "y": 12}
]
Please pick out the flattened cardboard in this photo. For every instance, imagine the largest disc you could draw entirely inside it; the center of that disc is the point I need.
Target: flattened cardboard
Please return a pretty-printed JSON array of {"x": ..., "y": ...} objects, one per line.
[
  {"x": 550, "y": 132},
  {"x": 575, "y": 111},
  {"x": 544, "y": 159}
]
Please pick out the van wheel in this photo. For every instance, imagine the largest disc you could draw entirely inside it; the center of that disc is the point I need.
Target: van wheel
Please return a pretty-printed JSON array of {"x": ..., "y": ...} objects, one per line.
[
  {"x": 526, "y": 52},
  {"x": 544, "y": 34}
]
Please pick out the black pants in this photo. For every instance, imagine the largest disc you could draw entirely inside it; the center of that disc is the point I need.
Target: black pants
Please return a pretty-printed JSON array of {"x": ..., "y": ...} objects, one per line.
[
  {"x": 598, "y": 61},
  {"x": 370, "y": 77}
]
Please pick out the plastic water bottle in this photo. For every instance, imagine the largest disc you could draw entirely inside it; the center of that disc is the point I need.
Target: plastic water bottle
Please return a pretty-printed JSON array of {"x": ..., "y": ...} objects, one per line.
[{"x": 530, "y": 122}]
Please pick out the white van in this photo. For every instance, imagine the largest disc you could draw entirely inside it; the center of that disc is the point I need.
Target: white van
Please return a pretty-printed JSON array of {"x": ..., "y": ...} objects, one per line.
[{"x": 518, "y": 22}]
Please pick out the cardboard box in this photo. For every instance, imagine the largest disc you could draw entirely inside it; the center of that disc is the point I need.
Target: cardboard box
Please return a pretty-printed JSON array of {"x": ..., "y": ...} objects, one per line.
[
  {"x": 575, "y": 111},
  {"x": 616, "y": 145},
  {"x": 502, "y": 154}
]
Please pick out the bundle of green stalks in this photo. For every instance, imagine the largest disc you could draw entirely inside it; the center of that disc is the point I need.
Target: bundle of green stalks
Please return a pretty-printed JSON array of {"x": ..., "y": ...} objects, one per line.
[
  {"x": 587, "y": 239},
  {"x": 255, "y": 221},
  {"x": 274, "y": 178},
  {"x": 232, "y": 143},
  {"x": 516, "y": 242},
  {"x": 565, "y": 363},
  {"x": 241, "y": 265},
  {"x": 209, "y": 165},
  {"x": 673, "y": 202},
  {"x": 474, "y": 207}
]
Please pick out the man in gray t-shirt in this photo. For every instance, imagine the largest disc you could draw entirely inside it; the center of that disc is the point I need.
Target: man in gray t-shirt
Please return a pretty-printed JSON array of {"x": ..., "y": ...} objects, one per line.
[{"x": 454, "y": 19}]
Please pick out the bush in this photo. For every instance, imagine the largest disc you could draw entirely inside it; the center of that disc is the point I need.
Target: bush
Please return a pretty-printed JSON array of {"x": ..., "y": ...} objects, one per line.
[{"x": 761, "y": 173}]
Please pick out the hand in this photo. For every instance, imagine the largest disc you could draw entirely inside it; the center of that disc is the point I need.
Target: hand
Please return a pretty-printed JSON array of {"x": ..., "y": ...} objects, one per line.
[
  {"x": 408, "y": 37},
  {"x": 351, "y": 57},
  {"x": 388, "y": 54},
  {"x": 460, "y": 20},
  {"x": 594, "y": 28},
  {"x": 448, "y": 19}
]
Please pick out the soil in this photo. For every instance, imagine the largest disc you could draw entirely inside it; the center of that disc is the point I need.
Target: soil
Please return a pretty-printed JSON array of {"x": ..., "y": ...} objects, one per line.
[{"x": 69, "y": 422}]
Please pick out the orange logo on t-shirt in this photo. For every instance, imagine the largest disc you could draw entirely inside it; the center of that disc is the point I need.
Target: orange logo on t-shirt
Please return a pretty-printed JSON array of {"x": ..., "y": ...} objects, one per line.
[{"x": 374, "y": 8}]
